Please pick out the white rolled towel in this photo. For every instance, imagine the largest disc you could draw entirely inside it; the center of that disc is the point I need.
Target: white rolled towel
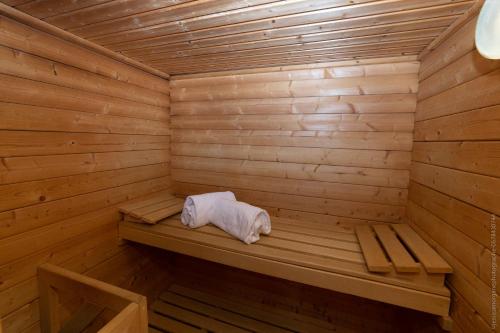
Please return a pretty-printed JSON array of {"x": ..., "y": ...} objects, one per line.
[
  {"x": 241, "y": 220},
  {"x": 198, "y": 209}
]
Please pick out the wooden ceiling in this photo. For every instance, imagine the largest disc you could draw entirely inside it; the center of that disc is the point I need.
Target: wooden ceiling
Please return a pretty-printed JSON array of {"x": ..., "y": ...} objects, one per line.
[{"x": 192, "y": 36}]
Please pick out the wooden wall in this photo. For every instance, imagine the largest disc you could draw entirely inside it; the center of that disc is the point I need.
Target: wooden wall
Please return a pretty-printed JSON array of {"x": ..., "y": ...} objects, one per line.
[
  {"x": 455, "y": 174},
  {"x": 328, "y": 143},
  {"x": 79, "y": 133}
]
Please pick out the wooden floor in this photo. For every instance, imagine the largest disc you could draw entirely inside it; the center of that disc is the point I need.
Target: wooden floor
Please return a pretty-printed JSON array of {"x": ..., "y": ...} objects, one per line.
[
  {"x": 203, "y": 296},
  {"x": 184, "y": 309}
]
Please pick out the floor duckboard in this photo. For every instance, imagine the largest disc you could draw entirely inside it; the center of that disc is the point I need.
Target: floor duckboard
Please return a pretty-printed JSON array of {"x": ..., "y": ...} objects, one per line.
[{"x": 186, "y": 309}]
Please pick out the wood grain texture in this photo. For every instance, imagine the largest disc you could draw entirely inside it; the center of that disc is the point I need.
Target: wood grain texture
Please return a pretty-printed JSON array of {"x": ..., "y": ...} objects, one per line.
[
  {"x": 184, "y": 36},
  {"x": 373, "y": 253},
  {"x": 341, "y": 134},
  {"x": 274, "y": 256},
  {"x": 453, "y": 196},
  {"x": 80, "y": 133}
]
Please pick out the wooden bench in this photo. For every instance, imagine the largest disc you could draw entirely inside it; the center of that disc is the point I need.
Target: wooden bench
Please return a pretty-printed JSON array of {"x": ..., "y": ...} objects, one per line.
[
  {"x": 152, "y": 209},
  {"x": 391, "y": 264},
  {"x": 101, "y": 307}
]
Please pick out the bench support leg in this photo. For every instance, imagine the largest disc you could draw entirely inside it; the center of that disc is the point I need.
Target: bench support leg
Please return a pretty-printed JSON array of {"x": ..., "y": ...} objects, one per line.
[{"x": 446, "y": 323}]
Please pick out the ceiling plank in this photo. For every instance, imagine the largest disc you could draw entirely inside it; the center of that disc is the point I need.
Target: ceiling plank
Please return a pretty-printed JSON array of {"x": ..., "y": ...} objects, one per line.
[
  {"x": 238, "y": 42},
  {"x": 286, "y": 61},
  {"x": 357, "y": 36},
  {"x": 237, "y": 24},
  {"x": 47, "y": 8},
  {"x": 198, "y": 36},
  {"x": 372, "y": 44}
]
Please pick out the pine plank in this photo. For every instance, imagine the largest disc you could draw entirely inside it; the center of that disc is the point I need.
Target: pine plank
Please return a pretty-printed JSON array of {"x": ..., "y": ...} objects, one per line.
[
  {"x": 297, "y": 202},
  {"x": 16, "y": 35},
  {"x": 432, "y": 262},
  {"x": 400, "y": 258},
  {"x": 265, "y": 313},
  {"x": 305, "y": 139},
  {"x": 82, "y": 318},
  {"x": 286, "y": 240},
  {"x": 164, "y": 213},
  {"x": 167, "y": 324},
  {"x": 285, "y": 35},
  {"x": 149, "y": 209},
  {"x": 19, "y": 90},
  {"x": 405, "y": 83},
  {"x": 28, "y": 66},
  {"x": 372, "y": 252},
  {"x": 400, "y": 103},
  {"x": 215, "y": 311},
  {"x": 195, "y": 319},
  {"x": 16, "y": 143},
  {"x": 273, "y": 151},
  {"x": 311, "y": 122},
  {"x": 348, "y": 192},
  {"x": 362, "y": 70},
  {"x": 152, "y": 199},
  {"x": 216, "y": 237}
]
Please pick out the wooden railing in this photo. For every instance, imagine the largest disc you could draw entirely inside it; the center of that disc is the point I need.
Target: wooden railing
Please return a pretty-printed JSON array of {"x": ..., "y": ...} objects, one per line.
[{"x": 94, "y": 298}]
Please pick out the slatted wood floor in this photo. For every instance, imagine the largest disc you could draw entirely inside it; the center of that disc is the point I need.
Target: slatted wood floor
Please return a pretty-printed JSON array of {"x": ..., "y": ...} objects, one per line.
[
  {"x": 185, "y": 309},
  {"x": 326, "y": 256}
]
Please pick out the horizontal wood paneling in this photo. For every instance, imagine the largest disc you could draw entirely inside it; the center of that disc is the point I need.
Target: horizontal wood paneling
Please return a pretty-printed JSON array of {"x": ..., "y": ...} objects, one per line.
[
  {"x": 480, "y": 157},
  {"x": 478, "y": 93},
  {"x": 455, "y": 182},
  {"x": 24, "y": 38},
  {"x": 351, "y": 192},
  {"x": 212, "y": 35},
  {"x": 305, "y": 171},
  {"x": 399, "y": 84},
  {"x": 34, "y": 143},
  {"x": 25, "y": 65},
  {"x": 79, "y": 133},
  {"x": 300, "y": 203},
  {"x": 478, "y": 124},
  {"x": 327, "y": 141},
  {"x": 316, "y": 122},
  {"x": 335, "y": 157},
  {"x": 34, "y": 118},
  {"x": 377, "y": 69},
  {"x": 309, "y": 139},
  {"x": 20, "y": 91},
  {"x": 302, "y": 105},
  {"x": 29, "y": 193}
]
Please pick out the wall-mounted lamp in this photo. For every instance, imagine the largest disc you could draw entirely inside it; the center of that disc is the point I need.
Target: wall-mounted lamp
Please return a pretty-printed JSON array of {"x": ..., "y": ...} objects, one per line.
[{"x": 488, "y": 30}]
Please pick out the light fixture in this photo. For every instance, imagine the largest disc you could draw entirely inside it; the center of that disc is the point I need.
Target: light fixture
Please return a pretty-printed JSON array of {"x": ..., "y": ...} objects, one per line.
[{"x": 488, "y": 30}]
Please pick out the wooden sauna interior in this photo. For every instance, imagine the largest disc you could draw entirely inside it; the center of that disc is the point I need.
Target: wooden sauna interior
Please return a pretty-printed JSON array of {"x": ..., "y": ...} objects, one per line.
[{"x": 328, "y": 113}]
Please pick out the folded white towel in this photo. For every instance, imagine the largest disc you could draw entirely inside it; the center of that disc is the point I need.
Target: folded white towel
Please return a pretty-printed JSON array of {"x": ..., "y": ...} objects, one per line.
[
  {"x": 198, "y": 209},
  {"x": 241, "y": 220}
]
